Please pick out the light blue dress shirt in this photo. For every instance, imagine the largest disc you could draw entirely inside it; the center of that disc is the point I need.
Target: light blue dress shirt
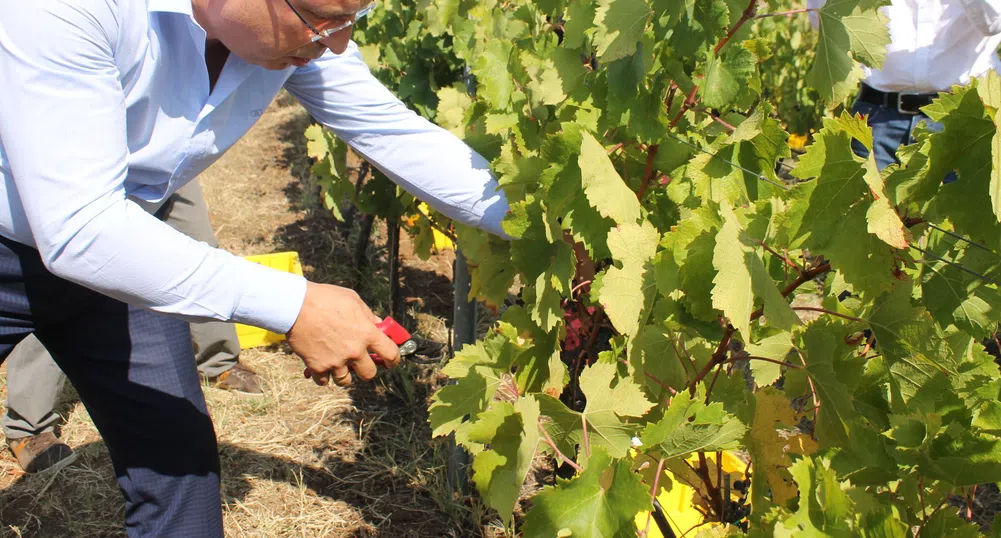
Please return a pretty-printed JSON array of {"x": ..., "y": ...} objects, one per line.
[{"x": 105, "y": 111}]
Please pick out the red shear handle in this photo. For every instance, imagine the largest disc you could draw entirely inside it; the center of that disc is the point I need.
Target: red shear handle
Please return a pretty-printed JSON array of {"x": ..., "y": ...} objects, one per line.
[{"x": 393, "y": 330}]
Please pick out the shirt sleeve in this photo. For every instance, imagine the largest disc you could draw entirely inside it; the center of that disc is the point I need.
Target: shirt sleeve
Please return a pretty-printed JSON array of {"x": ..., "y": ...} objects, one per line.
[
  {"x": 63, "y": 130},
  {"x": 814, "y": 18},
  {"x": 984, "y": 14},
  {"x": 426, "y": 160}
]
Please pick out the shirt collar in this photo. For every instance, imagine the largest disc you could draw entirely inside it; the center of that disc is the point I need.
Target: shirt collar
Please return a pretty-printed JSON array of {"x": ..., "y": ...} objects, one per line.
[{"x": 170, "y": 6}]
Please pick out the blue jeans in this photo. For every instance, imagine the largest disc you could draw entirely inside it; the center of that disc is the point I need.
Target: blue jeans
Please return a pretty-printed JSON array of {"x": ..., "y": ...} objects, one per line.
[
  {"x": 890, "y": 130},
  {"x": 135, "y": 372}
]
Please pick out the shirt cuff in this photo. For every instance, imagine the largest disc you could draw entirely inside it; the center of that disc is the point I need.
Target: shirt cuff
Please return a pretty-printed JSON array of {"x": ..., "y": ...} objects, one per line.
[{"x": 271, "y": 299}]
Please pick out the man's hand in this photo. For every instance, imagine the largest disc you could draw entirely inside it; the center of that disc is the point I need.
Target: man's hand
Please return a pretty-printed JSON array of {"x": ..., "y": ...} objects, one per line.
[{"x": 335, "y": 332}]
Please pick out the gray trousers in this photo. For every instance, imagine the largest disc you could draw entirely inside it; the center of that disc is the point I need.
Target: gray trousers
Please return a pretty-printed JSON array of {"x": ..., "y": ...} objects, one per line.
[{"x": 33, "y": 379}]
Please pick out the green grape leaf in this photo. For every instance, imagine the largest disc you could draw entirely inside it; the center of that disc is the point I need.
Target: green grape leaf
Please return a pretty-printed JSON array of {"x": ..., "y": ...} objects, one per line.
[
  {"x": 601, "y": 502},
  {"x": 726, "y": 76},
  {"x": 493, "y": 73},
  {"x": 840, "y": 182},
  {"x": 689, "y": 425},
  {"x": 866, "y": 262},
  {"x": 847, "y": 35},
  {"x": 571, "y": 71},
  {"x": 954, "y": 296},
  {"x": 512, "y": 433},
  {"x": 741, "y": 276},
  {"x": 825, "y": 510},
  {"x": 453, "y": 107},
  {"x": 475, "y": 369},
  {"x": 489, "y": 263},
  {"x": 580, "y": 19},
  {"x": 603, "y": 186},
  {"x": 620, "y": 26},
  {"x": 656, "y": 358},
  {"x": 606, "y": 406},
  {"x": 964, "y": 145},
  {"x": 775, "y": 347},
  {"x": 884, "y": 222},
  {"x": 451, "y": 405},
  {"x": 628, "y": 289},
  {"x": 825, "y": 354},
  {"x": 995, "y": 186},
  {"x": 919, "y": 359}
]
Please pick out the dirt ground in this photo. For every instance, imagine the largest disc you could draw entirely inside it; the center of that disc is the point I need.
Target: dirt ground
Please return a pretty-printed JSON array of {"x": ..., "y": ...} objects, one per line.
[{"x": 301, "y": 460}]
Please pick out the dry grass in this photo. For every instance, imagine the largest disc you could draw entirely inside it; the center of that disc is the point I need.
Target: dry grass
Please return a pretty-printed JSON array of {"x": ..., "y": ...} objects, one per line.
[{"x": 302, "y": 460}]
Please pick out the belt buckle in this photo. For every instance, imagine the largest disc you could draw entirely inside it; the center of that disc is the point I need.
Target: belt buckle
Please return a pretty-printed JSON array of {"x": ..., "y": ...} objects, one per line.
[{"x": 900, "y": 102}]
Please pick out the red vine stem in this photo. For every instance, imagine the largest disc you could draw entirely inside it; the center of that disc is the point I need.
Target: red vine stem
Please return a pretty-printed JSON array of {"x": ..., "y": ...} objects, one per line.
[
  {"x": 670, "y": 96},
  {"x": 689, "y": 102},
  {"x": 744, "y": 17},
  {"x": 651, "y": 154},
  {"x": 707, "y": 480},
  {"x": 716, "y": 118},
  {"x": 578, "y": 287},
  {"x": 549, "y": 441},
  {"x": 653, "y": 494},
  {"x": 719, "y": 356},
  {"x": 778, "y": 255}
]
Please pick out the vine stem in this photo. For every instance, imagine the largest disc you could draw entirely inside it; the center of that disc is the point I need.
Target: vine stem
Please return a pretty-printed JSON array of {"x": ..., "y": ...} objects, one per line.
[
  {"x": 813, "y": 395},
  {"x": 707, "y": 480},
  {"x": 670, "y": 96},
  {"x": 579, "y": 286},
  {"x": 651, "y": 154},
  {"x": 933, "y": 512},
  {"x": 785, "y": 13},
  {"x": 653, "y": 494},
  {"x": 719, "y": 355},
  {"x": 921, "y": 495},
  {"x": 653, "y": 378},
  {"x": 782, "y": 257},
  {"x": 716, "y": 118},
  {"x": 747, "y": 15},
  {"x": 826, "y": 311},
  {"x": 549, "y": 441},
  {"x": 766, "y": 359},
  {"x": 689, "y": 103}
]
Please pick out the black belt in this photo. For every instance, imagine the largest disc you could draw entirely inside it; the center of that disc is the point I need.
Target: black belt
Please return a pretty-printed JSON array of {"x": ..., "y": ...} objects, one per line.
[{"x": 905, "y": 103}]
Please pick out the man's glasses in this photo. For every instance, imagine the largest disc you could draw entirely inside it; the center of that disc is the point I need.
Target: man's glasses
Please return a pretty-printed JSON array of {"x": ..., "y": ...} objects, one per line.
[{"x": 328, "y": 28}]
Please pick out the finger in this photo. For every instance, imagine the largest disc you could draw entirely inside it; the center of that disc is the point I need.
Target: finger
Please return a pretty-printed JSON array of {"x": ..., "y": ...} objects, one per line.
[
  {"x": 341, "y": 376},
  {"x": 384, "y": 348},
  {"x": 364, "y": 367},
  {"x": 320, "y": 379}
]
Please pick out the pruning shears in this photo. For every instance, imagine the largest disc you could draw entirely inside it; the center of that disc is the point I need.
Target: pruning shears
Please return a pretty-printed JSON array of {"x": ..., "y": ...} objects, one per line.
[{"x": 400, "y": 336}]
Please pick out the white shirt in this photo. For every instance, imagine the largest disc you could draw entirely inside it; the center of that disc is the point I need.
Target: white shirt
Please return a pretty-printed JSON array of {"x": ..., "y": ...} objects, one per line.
[
  {"x": 105, "y": 111},
  {"x": 935, "y": 44}
]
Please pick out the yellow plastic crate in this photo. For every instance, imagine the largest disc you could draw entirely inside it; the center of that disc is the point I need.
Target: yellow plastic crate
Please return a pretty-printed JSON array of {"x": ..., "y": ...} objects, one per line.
[
  {"x": 677, "y": 501},
  {"x": 282, "y": 261}
]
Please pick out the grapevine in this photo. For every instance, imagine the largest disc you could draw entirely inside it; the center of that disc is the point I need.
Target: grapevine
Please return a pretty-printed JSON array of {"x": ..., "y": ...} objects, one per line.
[{"x": 677, "y": 297}]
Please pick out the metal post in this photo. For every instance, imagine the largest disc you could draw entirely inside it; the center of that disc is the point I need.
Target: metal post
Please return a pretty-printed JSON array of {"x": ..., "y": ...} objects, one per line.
[{"x": 464, "y": 332}]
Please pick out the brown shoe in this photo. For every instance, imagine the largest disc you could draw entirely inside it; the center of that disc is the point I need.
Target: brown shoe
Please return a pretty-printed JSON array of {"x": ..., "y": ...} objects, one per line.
[
  {"x": 239, "y": 378},
  {"x": 40, "y": 452}
]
